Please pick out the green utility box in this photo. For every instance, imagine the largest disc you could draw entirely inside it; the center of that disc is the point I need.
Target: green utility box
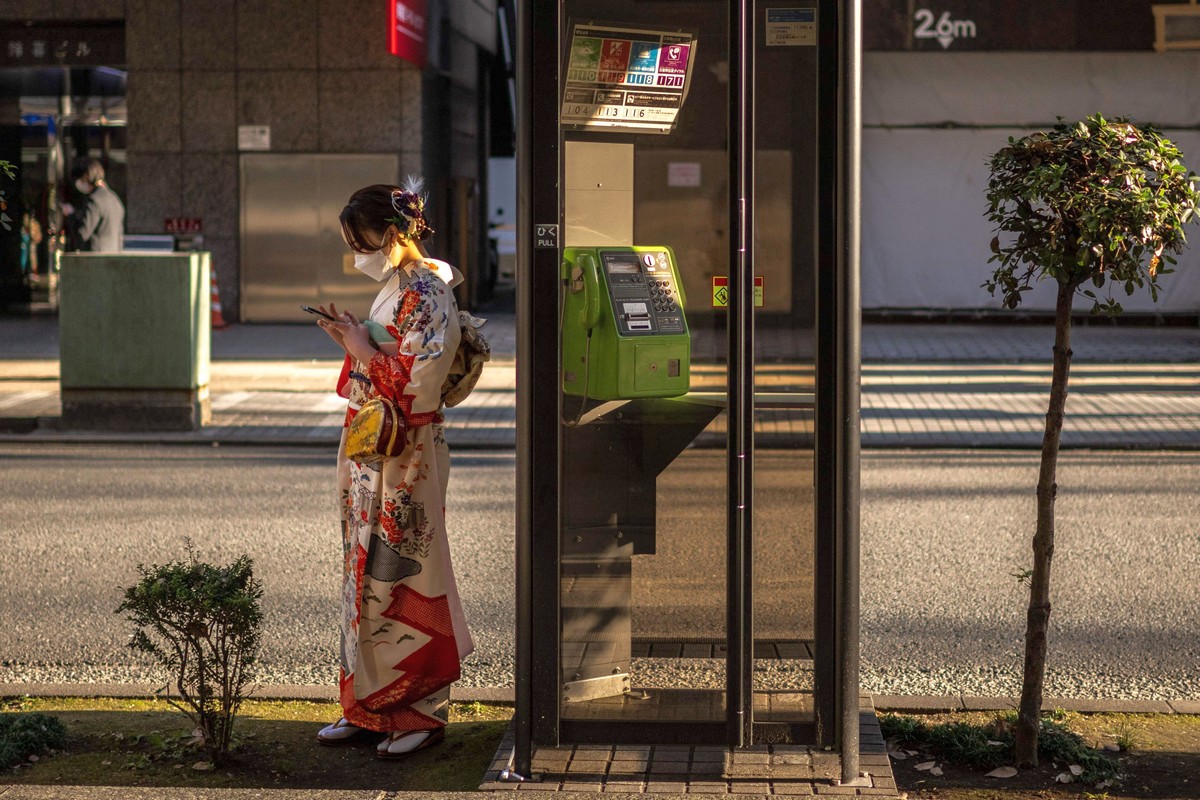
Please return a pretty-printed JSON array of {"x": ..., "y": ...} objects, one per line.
[
  {"x": 624, "y": 333},
  {"x": 134, "y": 340}
]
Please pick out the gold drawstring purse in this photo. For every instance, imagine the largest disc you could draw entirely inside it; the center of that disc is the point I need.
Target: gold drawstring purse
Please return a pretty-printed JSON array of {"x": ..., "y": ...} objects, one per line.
[{"x": 377, "y": 432}]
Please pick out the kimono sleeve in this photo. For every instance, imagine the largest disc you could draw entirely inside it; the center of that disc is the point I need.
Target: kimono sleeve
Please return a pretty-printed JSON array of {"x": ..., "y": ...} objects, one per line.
[{"x": 412, "y": 379}]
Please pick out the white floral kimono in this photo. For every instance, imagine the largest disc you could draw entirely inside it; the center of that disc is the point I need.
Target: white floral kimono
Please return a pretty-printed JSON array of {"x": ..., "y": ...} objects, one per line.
[{"x": 403, "y": 630}]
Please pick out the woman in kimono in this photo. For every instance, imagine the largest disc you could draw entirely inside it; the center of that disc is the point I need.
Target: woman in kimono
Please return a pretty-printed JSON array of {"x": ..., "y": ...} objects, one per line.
[{"x": 403, "y": 632}]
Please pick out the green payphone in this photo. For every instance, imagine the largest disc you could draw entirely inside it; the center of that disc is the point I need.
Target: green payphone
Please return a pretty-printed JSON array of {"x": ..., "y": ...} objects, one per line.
[{"x": 624, "y": 331}]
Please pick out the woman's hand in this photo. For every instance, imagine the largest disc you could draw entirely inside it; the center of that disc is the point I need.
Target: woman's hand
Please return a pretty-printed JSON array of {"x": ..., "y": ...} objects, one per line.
[
  {"x": 351, "y": 334},
  {"x": 329, "y": 327}
]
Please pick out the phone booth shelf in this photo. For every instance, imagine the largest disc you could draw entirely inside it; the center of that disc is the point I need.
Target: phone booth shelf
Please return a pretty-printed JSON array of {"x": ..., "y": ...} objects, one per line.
[{"x": 687, "y": 500}]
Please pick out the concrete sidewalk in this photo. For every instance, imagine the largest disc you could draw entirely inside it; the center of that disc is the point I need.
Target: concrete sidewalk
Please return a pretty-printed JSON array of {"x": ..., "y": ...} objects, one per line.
[
  {"x": 924, "y": 385},
  {"x": 29, "y": 792}
]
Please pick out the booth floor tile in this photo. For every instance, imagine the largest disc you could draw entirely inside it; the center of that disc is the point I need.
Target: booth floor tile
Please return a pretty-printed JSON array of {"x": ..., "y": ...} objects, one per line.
[{"x": 789, "y": 770}]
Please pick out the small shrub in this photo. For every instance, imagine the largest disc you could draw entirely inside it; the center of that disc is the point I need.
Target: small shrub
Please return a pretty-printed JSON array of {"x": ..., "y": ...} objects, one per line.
[
  {"x": 992, "y": 745},
  {"x": 1126, "y": 737},
  {"x": 202, "y": 624},
  {"x": 1056, "y": 743},
  {"x": 25, "y": 735},
  {"x": 906, "y": 731},
  {"x": 963, "y": 743}
]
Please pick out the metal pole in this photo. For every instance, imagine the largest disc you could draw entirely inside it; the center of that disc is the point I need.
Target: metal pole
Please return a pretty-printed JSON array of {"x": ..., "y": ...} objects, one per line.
[
  {"x": 521, "y": 764},
  {"x": 849, "y": 352},
  {"x": 740, "y": 621},
  {"x": 827, "y": 661}
]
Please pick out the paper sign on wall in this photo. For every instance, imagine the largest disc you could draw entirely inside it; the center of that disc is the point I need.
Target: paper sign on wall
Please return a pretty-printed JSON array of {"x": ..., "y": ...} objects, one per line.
[
  {"x": 791, "y": 27},
  {"x": 254, "y": 137},
  {"x": 683, "y": 173}
]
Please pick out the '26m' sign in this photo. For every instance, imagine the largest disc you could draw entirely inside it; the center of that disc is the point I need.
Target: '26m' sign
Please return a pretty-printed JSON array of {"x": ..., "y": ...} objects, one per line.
[{"x": 942, "y": 28}]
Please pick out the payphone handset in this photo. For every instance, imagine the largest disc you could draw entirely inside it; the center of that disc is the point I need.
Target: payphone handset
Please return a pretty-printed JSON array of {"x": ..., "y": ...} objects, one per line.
[{"x": 624, "y": 333}]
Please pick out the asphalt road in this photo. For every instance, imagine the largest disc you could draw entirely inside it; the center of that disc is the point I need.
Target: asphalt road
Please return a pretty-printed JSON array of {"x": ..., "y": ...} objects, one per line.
[
  {"x": 78, "y": 520},
  {"x": 942, "y": 531}
]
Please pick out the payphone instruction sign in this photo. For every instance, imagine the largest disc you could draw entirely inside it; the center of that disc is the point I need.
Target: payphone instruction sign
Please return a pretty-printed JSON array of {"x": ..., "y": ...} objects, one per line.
[
  {"x": 632, "y": 79},
  {"x": 720, "y": 292}
]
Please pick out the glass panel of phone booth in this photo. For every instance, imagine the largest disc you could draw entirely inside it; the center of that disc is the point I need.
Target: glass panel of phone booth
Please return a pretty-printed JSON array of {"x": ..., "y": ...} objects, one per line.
[
  {"x": 785, "y": 130},
  {"x": 644, "y": 460}
]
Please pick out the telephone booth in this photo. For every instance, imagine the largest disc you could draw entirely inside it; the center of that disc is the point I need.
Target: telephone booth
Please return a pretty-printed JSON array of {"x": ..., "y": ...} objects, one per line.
[{"x": 688, "y": 347}]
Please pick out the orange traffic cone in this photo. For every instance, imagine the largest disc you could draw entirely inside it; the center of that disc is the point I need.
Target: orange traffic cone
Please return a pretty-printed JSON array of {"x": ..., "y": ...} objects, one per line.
[{"x": 218, "y": 321}]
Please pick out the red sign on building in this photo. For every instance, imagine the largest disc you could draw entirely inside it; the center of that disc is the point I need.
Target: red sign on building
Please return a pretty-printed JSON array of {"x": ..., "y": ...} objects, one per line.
[
  {"x": 183, "y": 225},
  {"x": 406, "y": 34}
]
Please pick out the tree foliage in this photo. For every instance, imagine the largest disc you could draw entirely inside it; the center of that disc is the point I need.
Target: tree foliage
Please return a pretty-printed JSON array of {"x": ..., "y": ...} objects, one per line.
[
  {"x": 1098, "y": 201},
  {"x": 202, "y": 624}
]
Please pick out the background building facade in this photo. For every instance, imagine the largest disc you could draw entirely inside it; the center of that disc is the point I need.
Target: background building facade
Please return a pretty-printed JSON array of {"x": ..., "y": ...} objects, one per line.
[
  {"x": 947, "y": 82},
  {"x": 190, "y": 103},
  {"x": 204, "y": 85}
]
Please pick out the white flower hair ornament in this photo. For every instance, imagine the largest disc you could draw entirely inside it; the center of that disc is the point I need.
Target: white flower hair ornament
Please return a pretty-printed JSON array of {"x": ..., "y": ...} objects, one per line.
[{"x": 409, "y": 205}]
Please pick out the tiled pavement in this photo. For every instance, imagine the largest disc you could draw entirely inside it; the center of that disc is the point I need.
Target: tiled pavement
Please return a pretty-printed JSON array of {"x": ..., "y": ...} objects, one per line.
[
  {"x": 1157, "y": 407},
  {"x": 923, "y": 386},
  {"x": 789, "y": 770}
]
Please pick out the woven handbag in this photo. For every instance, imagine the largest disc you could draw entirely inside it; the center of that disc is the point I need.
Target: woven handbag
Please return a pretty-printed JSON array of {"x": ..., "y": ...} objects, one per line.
[
  {"x": 377, "y": 432},
  {"x": 473, "y": 351}
]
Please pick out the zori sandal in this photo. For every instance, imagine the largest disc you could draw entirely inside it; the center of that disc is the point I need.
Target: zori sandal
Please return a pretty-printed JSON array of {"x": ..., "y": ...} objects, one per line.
[
  {"x": 342, "y": 732},
  {"x": 400, "y": 744}
]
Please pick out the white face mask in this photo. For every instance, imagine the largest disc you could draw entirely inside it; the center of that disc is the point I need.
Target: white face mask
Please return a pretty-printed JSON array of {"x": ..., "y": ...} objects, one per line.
[
  {"x": 373, "y": 265},
  {"x": 83, "y": 186}
]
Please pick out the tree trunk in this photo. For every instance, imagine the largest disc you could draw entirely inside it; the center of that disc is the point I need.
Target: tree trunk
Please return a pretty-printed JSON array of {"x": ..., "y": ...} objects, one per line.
[{"x": 1038, "y": 616}]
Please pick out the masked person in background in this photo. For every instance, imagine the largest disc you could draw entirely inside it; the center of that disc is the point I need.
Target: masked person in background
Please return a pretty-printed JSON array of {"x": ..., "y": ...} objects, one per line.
[
  {"x": 98, "y": 224},
  {"x": 403, "y": 631}
]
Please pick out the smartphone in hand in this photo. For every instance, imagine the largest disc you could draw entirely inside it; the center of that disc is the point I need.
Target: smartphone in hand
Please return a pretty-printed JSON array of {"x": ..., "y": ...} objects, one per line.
[{"x": 317, "y": 312}]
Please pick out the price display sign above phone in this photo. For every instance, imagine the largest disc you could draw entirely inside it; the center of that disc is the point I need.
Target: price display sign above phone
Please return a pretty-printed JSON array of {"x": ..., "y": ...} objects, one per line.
[{"x": 632, "y": 79}]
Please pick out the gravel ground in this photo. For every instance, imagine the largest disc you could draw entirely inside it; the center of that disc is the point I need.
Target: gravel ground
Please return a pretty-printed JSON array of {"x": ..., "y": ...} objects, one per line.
[
  {"x": 1126, "y": 615},
  {"x": 942, "y": 531}
]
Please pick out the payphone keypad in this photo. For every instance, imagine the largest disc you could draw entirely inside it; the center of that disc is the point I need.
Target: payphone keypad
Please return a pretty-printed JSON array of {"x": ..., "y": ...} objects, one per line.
[{"x": 644, "y": 293}]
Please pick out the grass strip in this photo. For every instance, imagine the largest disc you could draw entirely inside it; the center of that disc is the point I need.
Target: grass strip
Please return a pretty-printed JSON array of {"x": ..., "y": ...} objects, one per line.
[{"x": 115, "y": 742}]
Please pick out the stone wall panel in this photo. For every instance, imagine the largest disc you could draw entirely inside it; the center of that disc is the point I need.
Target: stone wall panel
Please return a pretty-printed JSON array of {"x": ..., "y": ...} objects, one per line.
[
  {"x": 287, "y": 101},
  {"x": 153, "y": 193},
  {"x": 152, "y": 34},
  {"x": 278, "y": 34},
  {"x": 209, "y": 34},
  {"x": 209, "y": 112},
  {"x": 154, "y": 103},
  {"x": 210, "y": 192}
]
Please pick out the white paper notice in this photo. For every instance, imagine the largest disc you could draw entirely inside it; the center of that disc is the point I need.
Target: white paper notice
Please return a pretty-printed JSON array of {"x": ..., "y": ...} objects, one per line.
[
  {"x": 254, "y": 137},
  {"x": 791, "y": 27},
  {"x": 683, "y": 173}
]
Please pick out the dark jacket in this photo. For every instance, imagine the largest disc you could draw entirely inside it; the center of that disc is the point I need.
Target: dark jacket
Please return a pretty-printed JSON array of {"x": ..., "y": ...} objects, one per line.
[{"x": 99, "y": 224}]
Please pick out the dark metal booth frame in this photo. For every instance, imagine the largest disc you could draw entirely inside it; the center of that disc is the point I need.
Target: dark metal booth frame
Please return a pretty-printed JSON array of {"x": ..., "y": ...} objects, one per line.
[{"x": 541, "y": 26}]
